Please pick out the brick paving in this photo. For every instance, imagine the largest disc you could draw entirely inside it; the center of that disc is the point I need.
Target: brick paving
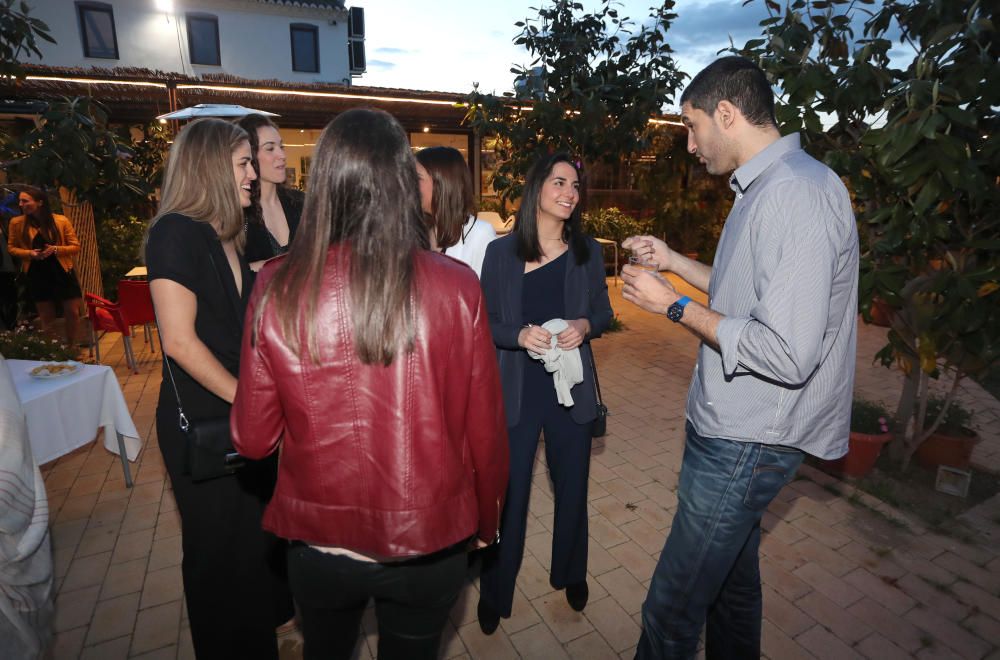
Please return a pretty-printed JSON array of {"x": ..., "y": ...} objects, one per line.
[{"x": 845, "y": 575}]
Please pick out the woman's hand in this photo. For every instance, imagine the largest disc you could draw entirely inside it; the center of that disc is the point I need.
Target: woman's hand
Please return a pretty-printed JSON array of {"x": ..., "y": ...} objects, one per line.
[
  {"x": 534, "y": 338},
  {"x": 574, "y": 335},
  {"x": 37, "y": 254},
  {"x": 48, "y": 251}
]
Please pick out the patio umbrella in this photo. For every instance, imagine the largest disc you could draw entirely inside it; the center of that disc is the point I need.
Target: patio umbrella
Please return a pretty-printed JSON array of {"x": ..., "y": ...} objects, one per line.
[{"x": 214, "y": 110}]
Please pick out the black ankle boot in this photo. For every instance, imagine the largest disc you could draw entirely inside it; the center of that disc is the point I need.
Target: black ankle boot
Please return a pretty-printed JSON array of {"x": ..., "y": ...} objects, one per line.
[
  {"x": 577, "y": 594},
  {"x": 488, "y": 618}
]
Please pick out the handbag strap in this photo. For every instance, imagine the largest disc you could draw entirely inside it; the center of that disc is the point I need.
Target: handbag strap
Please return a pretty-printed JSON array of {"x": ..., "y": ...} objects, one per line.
[
  {"x": 182, "y": 419},
  {"x": 597, "y": 381}
]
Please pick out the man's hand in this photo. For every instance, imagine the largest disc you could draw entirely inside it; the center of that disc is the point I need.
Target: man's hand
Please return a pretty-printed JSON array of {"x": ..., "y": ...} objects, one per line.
[
  {"x": 649, "y": 291},
  {"x": 651, "y": 250}
]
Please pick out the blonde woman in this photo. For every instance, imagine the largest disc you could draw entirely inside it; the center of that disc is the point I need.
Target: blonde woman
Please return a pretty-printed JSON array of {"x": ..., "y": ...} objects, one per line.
[{"x": 200, "y": 285}]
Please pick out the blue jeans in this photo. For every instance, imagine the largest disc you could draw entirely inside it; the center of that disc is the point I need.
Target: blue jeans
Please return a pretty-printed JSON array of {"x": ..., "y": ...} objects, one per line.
[{"x": 708, "y": 570}]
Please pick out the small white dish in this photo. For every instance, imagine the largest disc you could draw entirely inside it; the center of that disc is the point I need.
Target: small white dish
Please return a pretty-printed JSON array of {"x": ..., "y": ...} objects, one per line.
[{"x": 54, "y": 369}]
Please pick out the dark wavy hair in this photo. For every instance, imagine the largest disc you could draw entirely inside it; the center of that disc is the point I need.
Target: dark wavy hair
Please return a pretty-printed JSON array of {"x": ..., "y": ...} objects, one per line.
[
  {"x": 363, "y": 192},
  {"x": 453, "y": 200},
  {"x": 250, "y": 123},
  {"x": 43, "y": 221},
  {"x": 526, "y": 222}
]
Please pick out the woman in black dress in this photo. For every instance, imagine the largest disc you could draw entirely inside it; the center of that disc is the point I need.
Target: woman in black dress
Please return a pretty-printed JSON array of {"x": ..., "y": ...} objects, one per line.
[
  {"x": 46, "y": 245},
  {"x": 545, "y": 269},
  {"x": 272, "y": 218},
  {"x": 200, "y": 285}
]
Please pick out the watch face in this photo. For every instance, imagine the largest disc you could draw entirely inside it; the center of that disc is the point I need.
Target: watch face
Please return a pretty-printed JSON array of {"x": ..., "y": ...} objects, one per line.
[{"x": 675, "y": 312}]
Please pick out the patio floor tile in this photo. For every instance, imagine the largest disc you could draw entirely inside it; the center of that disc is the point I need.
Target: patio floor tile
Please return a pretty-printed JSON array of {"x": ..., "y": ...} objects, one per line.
[{"x": 839, "y": 580}]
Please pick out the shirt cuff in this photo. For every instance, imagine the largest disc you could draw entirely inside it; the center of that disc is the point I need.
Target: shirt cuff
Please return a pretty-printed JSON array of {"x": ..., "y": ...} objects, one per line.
[{"x": 728, "y": 333}]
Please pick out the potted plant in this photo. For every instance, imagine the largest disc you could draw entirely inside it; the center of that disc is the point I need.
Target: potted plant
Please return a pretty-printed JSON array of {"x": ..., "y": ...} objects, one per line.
[
  {"x": 952, "y": 442},
  {"x": 869, "y": 433}
]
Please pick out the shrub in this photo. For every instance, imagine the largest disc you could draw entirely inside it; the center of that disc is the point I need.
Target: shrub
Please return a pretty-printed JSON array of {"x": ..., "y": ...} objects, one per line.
[
  {"x": 120, "y": 244},
  {"x": 614, "y": 225},
  {"x": 24, "y": 343},
  {"x": 869, "y": 417},
  {"x": 957, "y": 420}
]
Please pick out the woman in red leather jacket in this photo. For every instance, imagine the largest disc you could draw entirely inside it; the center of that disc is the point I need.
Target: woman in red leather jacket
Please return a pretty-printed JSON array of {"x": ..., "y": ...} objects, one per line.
[{"x": 369, "y": 360}]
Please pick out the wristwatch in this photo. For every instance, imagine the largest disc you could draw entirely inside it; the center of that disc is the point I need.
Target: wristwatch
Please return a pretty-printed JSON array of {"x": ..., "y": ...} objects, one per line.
[{"x": 676, "y": 311}]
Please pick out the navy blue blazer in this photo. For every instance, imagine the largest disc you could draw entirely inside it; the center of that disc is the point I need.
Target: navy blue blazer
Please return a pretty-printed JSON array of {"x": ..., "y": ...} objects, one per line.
[{"x": 586, "y": 296}]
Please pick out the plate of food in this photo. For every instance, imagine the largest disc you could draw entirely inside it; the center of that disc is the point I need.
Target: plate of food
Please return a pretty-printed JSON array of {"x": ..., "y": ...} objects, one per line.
[{"x": 54, "y": 369}]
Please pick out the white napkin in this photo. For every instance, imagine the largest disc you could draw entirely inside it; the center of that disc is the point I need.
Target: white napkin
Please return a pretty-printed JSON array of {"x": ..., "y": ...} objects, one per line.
[{"x": 566, "y": 367}]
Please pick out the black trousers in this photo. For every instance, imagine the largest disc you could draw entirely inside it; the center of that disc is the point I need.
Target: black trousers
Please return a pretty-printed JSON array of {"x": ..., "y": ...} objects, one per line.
[
  {"x": 412, "y": 601},
  {"x": 233, "y": 584},
  {"x": 567, "y": 453}
]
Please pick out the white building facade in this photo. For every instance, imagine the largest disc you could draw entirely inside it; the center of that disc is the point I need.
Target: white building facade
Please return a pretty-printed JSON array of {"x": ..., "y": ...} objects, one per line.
[{"x": 299, "y": 41}]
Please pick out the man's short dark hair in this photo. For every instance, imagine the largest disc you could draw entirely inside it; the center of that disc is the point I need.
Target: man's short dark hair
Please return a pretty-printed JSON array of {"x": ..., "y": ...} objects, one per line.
[{"x": 737, "y": 80}]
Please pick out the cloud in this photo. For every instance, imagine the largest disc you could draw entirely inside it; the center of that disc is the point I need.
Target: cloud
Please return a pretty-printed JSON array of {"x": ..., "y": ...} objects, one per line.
[
  {"x": 381, "y": 65},
  {"x": 708, "y": 26},
  {"x": 387, "y": 50}
]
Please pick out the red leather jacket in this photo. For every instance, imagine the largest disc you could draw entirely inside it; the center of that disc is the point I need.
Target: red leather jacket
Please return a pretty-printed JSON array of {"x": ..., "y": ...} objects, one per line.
[{"x": 393, "y": 461}]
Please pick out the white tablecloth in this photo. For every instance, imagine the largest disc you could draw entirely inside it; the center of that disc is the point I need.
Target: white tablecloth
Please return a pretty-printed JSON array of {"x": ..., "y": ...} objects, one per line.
[{"x": 64, "y": 413}]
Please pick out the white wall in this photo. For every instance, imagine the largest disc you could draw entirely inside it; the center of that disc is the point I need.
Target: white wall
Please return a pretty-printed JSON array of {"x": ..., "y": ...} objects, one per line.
[{"x": 254, "y": 38}]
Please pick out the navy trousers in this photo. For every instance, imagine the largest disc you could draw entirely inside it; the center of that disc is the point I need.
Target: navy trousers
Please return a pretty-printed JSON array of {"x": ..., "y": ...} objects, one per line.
[{"x": 567, "y": 452}]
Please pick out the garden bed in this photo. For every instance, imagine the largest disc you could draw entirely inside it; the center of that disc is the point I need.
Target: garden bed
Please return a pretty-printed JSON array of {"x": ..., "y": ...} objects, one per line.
[{"x": 913, "y": 492}]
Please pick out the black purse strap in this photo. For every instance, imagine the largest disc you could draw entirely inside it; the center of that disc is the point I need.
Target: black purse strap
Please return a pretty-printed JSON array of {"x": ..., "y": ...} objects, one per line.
[
  {"x": 182, "y": 419},
  {"x": 597, "y": 381}
]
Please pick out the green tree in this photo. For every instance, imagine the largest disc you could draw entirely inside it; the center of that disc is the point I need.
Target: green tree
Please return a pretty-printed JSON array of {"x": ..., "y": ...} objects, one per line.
[
  {"x": 73, "y": 147},
  {"x": 19, "y": 35},
  {"x": 595, "y": 80},
  {"x": 689, "y": 205},
  {"x": 910, "y": 104}
]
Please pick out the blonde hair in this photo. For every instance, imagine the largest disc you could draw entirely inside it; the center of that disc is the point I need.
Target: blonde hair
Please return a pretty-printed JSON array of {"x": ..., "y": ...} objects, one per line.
[{"x": 199, "y": 181}]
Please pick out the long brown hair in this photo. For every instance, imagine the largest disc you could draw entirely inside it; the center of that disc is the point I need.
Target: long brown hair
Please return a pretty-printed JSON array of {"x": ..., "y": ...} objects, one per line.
[
  {"x": 363, "y": 192},
  {"x": 199, "y": 181},
  {"x": 452, "y": 201},
  {"x": 42, "y": 220}
]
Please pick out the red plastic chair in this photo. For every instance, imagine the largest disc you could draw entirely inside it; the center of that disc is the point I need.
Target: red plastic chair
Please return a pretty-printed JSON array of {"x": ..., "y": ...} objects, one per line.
[
  {"x": 106, "y": 316},
  {"x": 137, "y": 306}
]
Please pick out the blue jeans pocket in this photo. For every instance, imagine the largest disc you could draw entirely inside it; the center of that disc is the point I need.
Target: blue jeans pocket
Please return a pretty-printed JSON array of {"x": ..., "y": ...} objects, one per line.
[{"x": 775, "y": 466}]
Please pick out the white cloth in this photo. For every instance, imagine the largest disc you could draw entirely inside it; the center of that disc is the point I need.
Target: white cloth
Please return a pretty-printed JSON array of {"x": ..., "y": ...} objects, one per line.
[
  {"x": 471, "y": 246},
  {"x": 25, "y": 552},
  {"x": 566, "y": 367},
  {"x": 64, "y": 413}
]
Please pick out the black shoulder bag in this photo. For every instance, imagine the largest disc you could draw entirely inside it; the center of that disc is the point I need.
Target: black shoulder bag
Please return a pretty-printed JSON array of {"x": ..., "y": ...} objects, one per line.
[
  {"x": 600, "y": 424},
  {"x": 209, "y": 453}
]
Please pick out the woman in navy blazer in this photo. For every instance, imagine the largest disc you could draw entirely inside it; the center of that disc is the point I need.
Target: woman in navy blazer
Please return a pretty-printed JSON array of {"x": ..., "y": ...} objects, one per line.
[{"x": 546, "y": 268}]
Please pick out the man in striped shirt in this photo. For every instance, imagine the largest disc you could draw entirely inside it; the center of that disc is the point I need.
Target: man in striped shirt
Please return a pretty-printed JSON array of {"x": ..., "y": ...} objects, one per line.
[{"x": 775, "y": 368}]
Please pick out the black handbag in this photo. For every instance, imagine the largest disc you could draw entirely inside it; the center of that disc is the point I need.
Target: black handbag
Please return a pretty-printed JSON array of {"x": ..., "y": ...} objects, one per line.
[
  {"x": 599, "y": 427},
  {"x": 209, "y": 452}
]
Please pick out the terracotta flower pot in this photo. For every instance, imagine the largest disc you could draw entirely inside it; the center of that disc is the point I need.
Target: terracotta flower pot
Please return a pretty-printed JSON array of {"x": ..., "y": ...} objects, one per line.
[
  {"x": 881, "y": 313},
  {"x": 951, "y": 450},
  {"x": 863, "y": 450}
]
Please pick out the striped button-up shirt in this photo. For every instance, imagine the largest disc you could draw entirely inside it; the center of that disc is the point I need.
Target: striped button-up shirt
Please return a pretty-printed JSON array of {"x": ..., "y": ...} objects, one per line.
[{"x": 785, "y": 278}]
